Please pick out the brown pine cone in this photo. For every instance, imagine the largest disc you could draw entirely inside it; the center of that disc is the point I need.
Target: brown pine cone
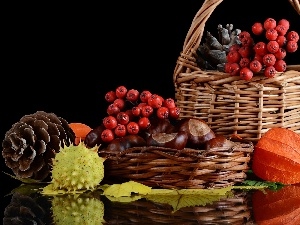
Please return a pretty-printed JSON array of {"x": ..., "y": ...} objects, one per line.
[{"x": 30, "y": 145}]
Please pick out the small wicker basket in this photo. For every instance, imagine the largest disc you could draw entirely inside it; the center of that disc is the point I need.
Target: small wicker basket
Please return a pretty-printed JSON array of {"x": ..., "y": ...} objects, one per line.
[
  {"x": 228, "y": 104},
  {"x": 171, "y": 168}
]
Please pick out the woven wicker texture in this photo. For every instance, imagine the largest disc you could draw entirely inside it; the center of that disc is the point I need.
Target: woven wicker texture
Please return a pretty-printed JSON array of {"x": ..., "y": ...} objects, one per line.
[
  {"x": 228, "y": 104},
  {"x": 233, "y": 210},
  {"x": 171, "y": 168}
]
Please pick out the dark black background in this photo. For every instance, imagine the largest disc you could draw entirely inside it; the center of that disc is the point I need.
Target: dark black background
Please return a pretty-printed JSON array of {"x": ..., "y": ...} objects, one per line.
[{"x": 63, "y": 58}]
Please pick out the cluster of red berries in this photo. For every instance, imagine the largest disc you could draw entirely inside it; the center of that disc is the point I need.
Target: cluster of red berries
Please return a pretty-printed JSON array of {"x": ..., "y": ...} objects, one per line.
[
  {"x": 123, "y": 119},
  {"x": 248, "y": 58}
]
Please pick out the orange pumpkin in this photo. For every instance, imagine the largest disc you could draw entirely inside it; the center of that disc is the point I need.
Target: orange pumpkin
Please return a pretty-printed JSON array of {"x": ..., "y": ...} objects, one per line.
[
  {"x": 80, "y": 130},
  {"x": 276, "y": 156},
  {"x": 277, "y": 207}
]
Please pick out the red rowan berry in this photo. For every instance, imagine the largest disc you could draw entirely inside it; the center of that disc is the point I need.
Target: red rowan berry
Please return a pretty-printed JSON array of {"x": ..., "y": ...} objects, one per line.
[
  {"x": 292, "y": 36},
  {"x": 110, "y": 122},
  {"x": 110, "y": 96},
  {"x": 244, "y": 62},
  {"x": 144, "y": 123},
  {"x": 234, "y": 47},
  {"x": 270, "y": 23},
  {"x": 244, "y": 34},
  {"x": 155, "y": 101},
  {"x": 174, "y": 112},
  {"x": 272, "y": 46},
  {"x": 121, "y": 91},
  {"x": 120, "y": 130},
  {"x": 122, "y": 118},
  {"x": 245, "y": 51},
  {"x": 258, "y": 58},
  {"x": 257, "y": 28},
  {"x": 285, "y": 23},
  {"x": 270, "y": 71},
  {"x": 132, "y": 95},
  {"x": 107, "y": 135},
  {"x": 246, "y": 73},
  {"x": 281, "y": 29},
  {"x": 247, "y": 41},
  {"x": 269, "y": 59},
  {"x": 260, "y": 48},
  {"x": 133, "y": 128},
  {"x": 291, "y": 46},
  {"x": 281, "y": 40},
  {"x": 112, "y": 109},
  {"x": 233, "y": 57},
  {"x": 271, "y": 34},
  {"x": 129, "y": 113},
  {"x": 280, "y": 54},
  {"x": 120, "y": 103},
  {"x": 145, "y": 95},
  {"x": 227, "y": 67},
  {"x": 136, "y": 110},
  {"x": 147, "y": 111},
  {"x": 169, "y": 103},
  {"x": 234, "y": 69},
  {"x": 280, "y": 65},
  {"x": 162, "y": 112},
  {"x": 255, "y": 66}
]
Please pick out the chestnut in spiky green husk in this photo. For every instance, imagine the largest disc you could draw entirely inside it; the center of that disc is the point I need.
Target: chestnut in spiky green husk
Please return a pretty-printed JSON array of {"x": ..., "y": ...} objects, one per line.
[{"x": 77, "y": 168}]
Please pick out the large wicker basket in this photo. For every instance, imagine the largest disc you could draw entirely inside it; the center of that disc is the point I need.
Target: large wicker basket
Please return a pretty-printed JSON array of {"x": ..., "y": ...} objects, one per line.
[
  {"x": 171, "y": 168},
  {"x": 231, "y": 105}
]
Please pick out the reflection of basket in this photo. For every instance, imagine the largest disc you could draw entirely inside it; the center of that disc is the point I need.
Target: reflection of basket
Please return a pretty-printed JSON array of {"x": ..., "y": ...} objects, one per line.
[
  {"x": 234, "y": 210},
  {"x": 231, "y": 105},
  {"x": 187, "y": 168}
]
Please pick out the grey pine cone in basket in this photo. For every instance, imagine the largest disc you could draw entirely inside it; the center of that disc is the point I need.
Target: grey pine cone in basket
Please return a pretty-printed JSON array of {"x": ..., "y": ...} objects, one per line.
[{"x": 29, "y": 146}]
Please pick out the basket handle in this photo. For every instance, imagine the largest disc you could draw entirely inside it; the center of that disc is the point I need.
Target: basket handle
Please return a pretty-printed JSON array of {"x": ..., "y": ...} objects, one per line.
[{"x": 186, "y": 60}]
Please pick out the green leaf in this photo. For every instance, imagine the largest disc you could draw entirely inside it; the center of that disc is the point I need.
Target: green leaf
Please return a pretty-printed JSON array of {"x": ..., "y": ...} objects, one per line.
[{"x": 262, "y": 184}]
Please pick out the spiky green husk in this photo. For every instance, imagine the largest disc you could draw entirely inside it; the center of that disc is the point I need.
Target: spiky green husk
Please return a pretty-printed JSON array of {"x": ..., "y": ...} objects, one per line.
[
  {"x": 77, "y": 167},
  {"x": 72, "y": 209}
]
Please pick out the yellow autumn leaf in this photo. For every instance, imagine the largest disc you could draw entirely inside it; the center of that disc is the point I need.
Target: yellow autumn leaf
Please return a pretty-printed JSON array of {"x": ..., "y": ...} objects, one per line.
[
  {"x": 126, "y": 189},
  {"x": 217, "y": 191},
  {"x": 124, "y": 199},
  {"x": 186, "y": 200}
]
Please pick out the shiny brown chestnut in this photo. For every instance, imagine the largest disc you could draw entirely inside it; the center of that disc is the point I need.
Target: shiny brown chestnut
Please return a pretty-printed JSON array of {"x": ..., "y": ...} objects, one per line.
[
  {"x": 93, "y": 138},
  {"x": 198, "y": 131},
  {"x": 160, "y": 126},
  {"x": 171, "y": 140},
  {"x": 220, "y": 141},
  {"x": 122, "y": 143}
]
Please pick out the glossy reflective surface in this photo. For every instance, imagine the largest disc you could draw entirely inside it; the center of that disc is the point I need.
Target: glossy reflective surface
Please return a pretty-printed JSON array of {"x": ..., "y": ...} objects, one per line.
[{"x": 27, "y": 206}]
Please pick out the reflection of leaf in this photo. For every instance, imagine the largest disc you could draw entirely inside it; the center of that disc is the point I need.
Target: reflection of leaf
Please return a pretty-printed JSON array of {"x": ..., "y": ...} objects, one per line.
[
  {"x": 217, "y": 191},
  {"x": 24, "y": 180},
  {"x": 49, "y": 190},
  {"x": 124, "y": 199},
  {"x": 185, "y": 200},
  {"x": 27, "y": 189},
  {"x": 126, "y": 189}
]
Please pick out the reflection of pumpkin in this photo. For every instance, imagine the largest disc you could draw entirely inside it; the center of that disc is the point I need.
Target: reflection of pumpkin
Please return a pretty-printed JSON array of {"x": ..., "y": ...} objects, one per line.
[
  {"x": 277, "y": 207},
  {"x": 276, "y": 156}
]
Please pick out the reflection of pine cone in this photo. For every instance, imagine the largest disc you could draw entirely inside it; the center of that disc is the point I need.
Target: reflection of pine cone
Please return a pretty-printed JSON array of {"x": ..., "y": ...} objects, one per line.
[
  {"x": 29, "y": 146},
  {"x": 27, "y": 209}
]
